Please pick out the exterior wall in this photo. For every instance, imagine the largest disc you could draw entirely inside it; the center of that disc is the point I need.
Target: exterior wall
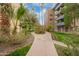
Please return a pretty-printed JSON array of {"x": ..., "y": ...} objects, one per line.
[
  {"x": 59, "y": 18},
  {"x": 60, "y": 26},
  {"x": 49, "y": 18}
]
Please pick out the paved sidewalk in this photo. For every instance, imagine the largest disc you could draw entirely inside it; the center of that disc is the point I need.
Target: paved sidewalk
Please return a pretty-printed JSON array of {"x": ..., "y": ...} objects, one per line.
[{"x": 42, "y": 46}]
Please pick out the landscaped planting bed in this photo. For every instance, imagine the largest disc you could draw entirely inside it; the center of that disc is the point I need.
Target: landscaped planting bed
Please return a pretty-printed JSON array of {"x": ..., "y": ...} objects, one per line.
[
  {"x": 63, "y": 51},
  {"x": 20, "y": 51},
  {"x": 71, "y": 40},
  {"x": 9, "y": 44}
]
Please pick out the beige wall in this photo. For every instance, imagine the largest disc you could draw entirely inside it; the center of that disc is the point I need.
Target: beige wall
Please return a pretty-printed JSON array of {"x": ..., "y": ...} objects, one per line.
[{"x": 49, "y": 15}]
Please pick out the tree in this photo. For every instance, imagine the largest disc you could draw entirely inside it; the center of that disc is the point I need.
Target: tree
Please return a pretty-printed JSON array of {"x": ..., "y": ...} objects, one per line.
[
  {"x": 6, "y": 14},
  {"x": 20, "y": 12},
  {"x": 28, "y": 21},
  {"x": 71, "y": 13}
]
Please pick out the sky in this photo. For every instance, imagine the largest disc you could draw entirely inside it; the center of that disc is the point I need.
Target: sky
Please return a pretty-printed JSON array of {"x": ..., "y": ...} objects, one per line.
[{"x": 38, "y": 10}]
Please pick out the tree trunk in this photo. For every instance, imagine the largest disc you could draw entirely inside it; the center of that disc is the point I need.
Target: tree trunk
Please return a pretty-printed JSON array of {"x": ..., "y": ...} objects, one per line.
[
  {"x": 74, "y": 23},
  {"x": 15, "y": 28}
]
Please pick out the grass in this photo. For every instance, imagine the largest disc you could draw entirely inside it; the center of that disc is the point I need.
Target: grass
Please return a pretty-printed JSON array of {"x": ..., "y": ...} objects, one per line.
[
  {"x": 21, "y": 51},
  {"x": 69, "y": 40}
]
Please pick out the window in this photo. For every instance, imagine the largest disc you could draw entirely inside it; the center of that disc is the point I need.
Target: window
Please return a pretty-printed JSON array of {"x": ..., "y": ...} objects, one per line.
[
  {"x": 50, "y": 14},
  {"x": 62, "y": 20},
  {"x": 58, "y": 15},
  {"x": 50, "y": 19}
]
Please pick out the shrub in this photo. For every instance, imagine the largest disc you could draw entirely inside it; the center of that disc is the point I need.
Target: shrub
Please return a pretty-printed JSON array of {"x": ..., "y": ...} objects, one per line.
[
  {"x": 13, "y": 39},
  {"x": 66, "y": 51},
  {"x": 71, "y": 40},
  {"x": 62, "y": 51},
  {"x": 18, "y": 38},
  {"x": 4, "y": 38},
  {"x": 39, "y": 29},
  {"x": 49, "y": 28}
]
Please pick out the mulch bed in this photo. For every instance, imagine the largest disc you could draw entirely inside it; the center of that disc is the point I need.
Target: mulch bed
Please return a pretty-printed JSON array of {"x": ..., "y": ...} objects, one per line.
[{"x": 7, "y": 48}]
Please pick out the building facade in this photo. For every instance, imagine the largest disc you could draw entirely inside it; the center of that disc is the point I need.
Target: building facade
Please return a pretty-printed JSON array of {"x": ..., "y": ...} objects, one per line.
[
  {"x": 49, "y": 18},
  {"x": 59, "y": 17},
  {"x": 59, "y": 20}
]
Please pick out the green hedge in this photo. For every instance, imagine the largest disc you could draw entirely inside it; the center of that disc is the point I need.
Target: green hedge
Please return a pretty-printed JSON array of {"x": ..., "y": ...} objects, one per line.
[{"x": 67, "y": 38}]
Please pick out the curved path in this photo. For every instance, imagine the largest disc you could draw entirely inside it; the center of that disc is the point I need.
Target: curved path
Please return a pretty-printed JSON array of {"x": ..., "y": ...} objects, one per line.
[{"x": 42, "y": 46}]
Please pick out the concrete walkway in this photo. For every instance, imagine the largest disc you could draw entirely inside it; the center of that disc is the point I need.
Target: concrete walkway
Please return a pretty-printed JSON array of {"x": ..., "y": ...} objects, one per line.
[{"x": 42, "y": 46}]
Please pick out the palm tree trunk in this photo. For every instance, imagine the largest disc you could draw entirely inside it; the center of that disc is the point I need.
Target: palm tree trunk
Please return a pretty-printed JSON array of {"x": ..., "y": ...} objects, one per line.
[{"x": 15, "y": 28}]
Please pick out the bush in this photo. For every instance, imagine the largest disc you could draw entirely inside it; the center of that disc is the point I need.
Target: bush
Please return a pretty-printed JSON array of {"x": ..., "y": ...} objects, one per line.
[
  {"x": 49, "y": 28},
  {"x": 4, "y": 38},
  {"x": 66, "y": 51},
  {"x": 39, "y": 29},
  {"x": 63, "y": 51},
  {"x": 71, "y": 40},
  {"x": 18, "y": 38},
  {"x": 13, "y": 39}
]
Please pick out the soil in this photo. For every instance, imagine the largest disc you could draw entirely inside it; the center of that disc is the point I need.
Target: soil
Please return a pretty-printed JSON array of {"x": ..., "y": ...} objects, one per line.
[{"x": 7, "y": 48}]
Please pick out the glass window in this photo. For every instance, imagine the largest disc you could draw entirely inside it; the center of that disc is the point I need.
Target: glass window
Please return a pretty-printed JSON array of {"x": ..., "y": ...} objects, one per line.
[
  {"x": 50, "y": 19},
  {"x": 50, "y": 14}
]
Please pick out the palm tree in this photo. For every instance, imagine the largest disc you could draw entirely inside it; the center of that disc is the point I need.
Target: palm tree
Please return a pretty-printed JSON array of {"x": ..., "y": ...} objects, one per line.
[
  {"x": 5, "y": 14},
  {"x": 20, "y": 12}
]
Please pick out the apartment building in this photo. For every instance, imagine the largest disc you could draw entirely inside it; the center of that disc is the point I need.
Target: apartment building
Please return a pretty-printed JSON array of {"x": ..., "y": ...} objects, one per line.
[
  {"x": 59, "y": 20},
  {"x": 49, "y": 18}
]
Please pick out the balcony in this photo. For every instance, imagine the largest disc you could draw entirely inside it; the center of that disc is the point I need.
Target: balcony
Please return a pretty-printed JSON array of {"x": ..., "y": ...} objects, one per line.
[
  {"x": 60, "y": 24},
  {"x": 58, "y": 6},
  {"x": 60, "y": 17},
  {"x": 57, "y": 12}
]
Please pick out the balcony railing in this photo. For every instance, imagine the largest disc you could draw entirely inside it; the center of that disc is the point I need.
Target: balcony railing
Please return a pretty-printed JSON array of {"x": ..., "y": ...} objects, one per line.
[
  {"x": 60, "y": 17},
  {"x": 57, "y": 12},
  {"x": 58, "y": 6},
  {"x": 60, "y": 24}
]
